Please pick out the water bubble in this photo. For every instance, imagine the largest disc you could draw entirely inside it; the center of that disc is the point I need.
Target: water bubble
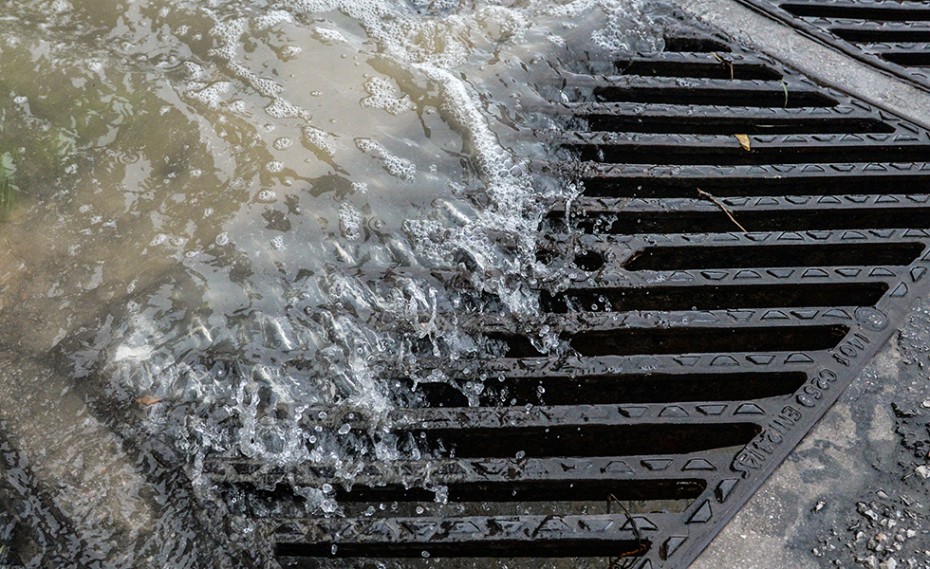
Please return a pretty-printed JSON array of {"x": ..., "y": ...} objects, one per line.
[
  {"x": 328, "y": 35},
  {"x": 290, "y": 52},
  {"x": 278, "y": 243},
  {"x": 350, "y": 222},
  {"x": 383, "y": 95},
  {"x": 319, "y": 140},
  {"x": 273, "y": 18},
  {"x": 344, "y": 429}
]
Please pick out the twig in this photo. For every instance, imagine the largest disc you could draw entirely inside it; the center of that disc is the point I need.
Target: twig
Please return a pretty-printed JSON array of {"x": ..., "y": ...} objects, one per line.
[
  {"x": 722, "y": 207},
  {"x": 641, "y": 546}
]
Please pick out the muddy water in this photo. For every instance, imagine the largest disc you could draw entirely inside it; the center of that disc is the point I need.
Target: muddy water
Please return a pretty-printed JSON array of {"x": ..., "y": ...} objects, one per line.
[{"x": 227, "y": 215}]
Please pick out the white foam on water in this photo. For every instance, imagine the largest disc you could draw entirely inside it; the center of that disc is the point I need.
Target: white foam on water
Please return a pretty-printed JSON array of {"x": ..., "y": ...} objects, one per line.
[
  {"x": 394, "y": 165},
  {"x": 291, "y": 325},
  {"x": 350, "y": 222},
  {"x": 500, "y": 206},
  {"x": 383, "y": 95},
  {"x": 319, "y": 140}
]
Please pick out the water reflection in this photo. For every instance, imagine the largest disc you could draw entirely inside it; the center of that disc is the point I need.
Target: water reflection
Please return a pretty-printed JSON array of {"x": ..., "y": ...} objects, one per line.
[{"x": 230, "y": 215}]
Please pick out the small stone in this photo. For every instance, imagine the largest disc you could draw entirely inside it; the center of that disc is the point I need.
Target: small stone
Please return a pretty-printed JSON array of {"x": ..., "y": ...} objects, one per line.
[
  {"x": 881, "y": 494},
  {"x": 863, "y": 509},
  {"x": 888, "y": 564},
  {"x": 819, "y": 506},
  {"x": 926, "y": 404},
  {"x": 923, "y": 471}
]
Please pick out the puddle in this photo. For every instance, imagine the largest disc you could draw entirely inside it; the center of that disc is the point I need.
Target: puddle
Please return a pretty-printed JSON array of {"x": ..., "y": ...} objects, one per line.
[{"x": 228, "y": 218}]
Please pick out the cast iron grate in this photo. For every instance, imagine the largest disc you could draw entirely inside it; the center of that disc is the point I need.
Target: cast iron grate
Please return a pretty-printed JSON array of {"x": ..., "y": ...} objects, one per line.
[
  {"x": 890, "y": 34},
  {"x": 699, "y": 354}
]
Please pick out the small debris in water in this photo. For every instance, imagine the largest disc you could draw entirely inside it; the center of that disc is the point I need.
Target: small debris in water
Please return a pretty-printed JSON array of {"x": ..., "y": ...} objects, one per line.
[{"x": 148, "y": 400}]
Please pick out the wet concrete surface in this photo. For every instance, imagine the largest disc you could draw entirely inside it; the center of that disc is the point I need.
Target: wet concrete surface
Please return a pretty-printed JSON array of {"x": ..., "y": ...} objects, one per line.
[{"x": 854, "y": 493}]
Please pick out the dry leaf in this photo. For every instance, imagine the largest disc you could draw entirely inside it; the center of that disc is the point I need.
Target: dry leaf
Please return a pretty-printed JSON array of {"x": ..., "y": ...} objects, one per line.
[
  {"x": 726, "y": 62},
  {"x": 147, "y": 400},
  {"x": 743, "y": 141}
]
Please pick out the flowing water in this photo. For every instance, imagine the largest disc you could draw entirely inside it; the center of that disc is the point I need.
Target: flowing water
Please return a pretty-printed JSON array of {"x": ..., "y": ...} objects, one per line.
[{"x": 225, "y": 216}]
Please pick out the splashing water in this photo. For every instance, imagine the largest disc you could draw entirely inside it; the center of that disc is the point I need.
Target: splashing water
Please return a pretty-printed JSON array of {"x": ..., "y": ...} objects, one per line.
[{"x": 232, "y": 217}]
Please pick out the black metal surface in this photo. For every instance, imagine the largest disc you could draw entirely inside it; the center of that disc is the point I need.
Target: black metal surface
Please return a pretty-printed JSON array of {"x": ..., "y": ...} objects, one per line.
[
  {"x": 892, "y": 35},
  {"x": 698, "y": 354}
]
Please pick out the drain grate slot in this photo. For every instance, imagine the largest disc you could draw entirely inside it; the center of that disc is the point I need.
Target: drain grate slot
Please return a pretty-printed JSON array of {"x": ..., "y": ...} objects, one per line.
[
  {"x": 710, "y": 68},
  {"x": 718, "y": 257},
  {"x": 619, "y": 389},
  {"x": 908, "y": 59},
  {"x": 598, "y": 490},
  {"x": 727, "y": 124},
  {"x": 673, "y": 298},
  {"x": 886, "y": 180},
  {"x": 590, "y": 441},
  {"x": 634, "y": 222},
  {"x": 725, "y": 151},
  {"x": 728, "y": 93},
  {"x": 478, "y": 549},
  {"x": 531, "y": 497},
  {"x": 885, "y": 12},
  {"x": 633, "y": 341}
]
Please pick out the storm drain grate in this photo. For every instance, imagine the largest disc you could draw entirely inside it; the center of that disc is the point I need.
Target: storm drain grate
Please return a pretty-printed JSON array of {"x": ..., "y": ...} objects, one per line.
[
  {"x": 890, "y": 34},
  {"x": 702, "y": 353}
]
